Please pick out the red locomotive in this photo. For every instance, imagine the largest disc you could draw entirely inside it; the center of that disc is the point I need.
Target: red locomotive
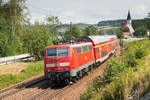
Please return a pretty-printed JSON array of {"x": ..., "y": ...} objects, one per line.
[{"x": 70, "y": 61}]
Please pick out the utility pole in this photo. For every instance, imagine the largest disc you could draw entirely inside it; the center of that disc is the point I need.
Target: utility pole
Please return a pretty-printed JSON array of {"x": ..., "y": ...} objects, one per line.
[{"x": 71, "y": 29}]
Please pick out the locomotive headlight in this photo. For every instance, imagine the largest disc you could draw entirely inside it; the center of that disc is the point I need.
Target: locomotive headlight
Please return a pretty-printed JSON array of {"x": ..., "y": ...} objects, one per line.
[{"x": 65, "y": 64}]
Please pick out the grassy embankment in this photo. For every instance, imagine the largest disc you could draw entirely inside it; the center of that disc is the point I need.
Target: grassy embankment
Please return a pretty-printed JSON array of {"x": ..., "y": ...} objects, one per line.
[
  {"x": 32, "y": 70},
  {"x": 123, "y": 75}
]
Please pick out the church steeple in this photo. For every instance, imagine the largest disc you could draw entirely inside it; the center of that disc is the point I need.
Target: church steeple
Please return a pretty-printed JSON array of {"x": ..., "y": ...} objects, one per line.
[
  {"x": 128, "y": 24},
  {"x": 129, "y": 16}
]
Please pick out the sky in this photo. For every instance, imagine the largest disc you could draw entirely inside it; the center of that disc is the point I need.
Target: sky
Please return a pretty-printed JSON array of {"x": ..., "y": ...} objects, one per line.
[{"x": 87, "y": 11}]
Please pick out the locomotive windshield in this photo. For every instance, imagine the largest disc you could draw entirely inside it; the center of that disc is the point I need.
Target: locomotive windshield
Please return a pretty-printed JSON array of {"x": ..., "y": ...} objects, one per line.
[{"x": 57, "y": 52}]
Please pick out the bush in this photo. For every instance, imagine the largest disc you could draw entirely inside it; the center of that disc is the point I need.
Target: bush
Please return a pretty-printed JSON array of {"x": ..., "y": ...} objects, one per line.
[
  {"x": 120, "y": 77},
  {"x": 130, "y": 59}
]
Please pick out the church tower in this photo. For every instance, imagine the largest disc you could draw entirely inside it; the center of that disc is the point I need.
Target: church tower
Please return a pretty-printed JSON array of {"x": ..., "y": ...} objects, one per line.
[{"x": 128, "y": 24}]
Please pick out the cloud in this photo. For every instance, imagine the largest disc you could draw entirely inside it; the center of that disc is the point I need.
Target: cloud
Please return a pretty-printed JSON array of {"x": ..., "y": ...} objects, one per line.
[
  {"x": 89, "y": 11},
  {"x": 68, "y": 13},
  {"x": 140, "y": 9}
]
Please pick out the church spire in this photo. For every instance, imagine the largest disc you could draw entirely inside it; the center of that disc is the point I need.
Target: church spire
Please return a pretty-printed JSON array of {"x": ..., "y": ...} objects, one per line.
[
  {"x": 128, "y": 24},
  {"x": 129, "y": 16}
]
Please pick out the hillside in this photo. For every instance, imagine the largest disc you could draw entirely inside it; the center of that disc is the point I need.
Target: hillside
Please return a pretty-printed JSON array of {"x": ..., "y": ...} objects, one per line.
[
  {"x": 116, "y": 23},
  {"x": 112, "y": 23}
]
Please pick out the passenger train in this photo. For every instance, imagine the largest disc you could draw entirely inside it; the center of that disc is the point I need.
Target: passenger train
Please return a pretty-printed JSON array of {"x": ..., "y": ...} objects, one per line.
[{"x": 68, "y": 62}]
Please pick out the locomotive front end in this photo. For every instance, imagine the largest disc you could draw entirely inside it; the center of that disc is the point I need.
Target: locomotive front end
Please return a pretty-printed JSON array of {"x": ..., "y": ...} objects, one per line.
[{"x": 57, "y": 62}]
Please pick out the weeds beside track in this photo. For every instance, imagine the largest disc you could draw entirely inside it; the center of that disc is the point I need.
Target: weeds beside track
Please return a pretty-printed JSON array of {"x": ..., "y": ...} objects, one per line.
[{"x": 122, "y": 75}]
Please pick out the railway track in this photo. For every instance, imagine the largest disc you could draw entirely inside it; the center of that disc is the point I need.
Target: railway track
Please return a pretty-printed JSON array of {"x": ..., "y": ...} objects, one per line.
[
  {"x": 48, "y": 94},
  {"x": 20, "y": 87}
]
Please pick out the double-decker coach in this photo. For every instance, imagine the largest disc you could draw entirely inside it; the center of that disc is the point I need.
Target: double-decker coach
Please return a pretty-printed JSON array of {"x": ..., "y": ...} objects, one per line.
[{"x": 100, "y": 47}]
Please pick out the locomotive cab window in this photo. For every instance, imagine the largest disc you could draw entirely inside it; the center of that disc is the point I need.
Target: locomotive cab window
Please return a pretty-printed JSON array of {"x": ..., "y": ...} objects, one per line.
[
  {"x": 62, "y": 51},
  {"x": 54, "y": 52}
]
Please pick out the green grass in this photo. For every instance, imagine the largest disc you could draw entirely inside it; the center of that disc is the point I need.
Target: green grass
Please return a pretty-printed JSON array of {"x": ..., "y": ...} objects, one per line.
[
  {"x": 32, "y": 70},
  {"x": 123, "y": 75}
]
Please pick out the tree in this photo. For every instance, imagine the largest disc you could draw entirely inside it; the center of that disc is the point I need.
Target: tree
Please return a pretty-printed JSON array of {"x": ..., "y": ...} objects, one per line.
[
  {"x": 119, "y": 33},
  {"x": 13, "y": 14},
  {"x": 140, "y": 31},
  {"x": 4, "y": 45},
  {"x": 91, "y": 30},
  {"x": 53, "y": 24},
  {"x": 53, "y": 20},
  {"x": 12, "y": 18},
  {"x": 36, "y": 38},
  {"x": 148, "y": 23},
  {"x": 73, "y": 32},
  {"x": 136, "y": 24},
  {"x": 140, "y": 28}
]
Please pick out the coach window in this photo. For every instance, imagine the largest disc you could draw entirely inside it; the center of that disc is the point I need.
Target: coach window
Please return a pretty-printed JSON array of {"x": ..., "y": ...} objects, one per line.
[
  {"x": 97, "y": 50},
  {"x": 90, "y": 48},
  {"x": 78, "y": 50},
  {"x": 73, "y": 51},
  {"x": 104, "y": 53},
  {"x": 83, "y": 48},
  {"x": 87, "y": 48}
]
